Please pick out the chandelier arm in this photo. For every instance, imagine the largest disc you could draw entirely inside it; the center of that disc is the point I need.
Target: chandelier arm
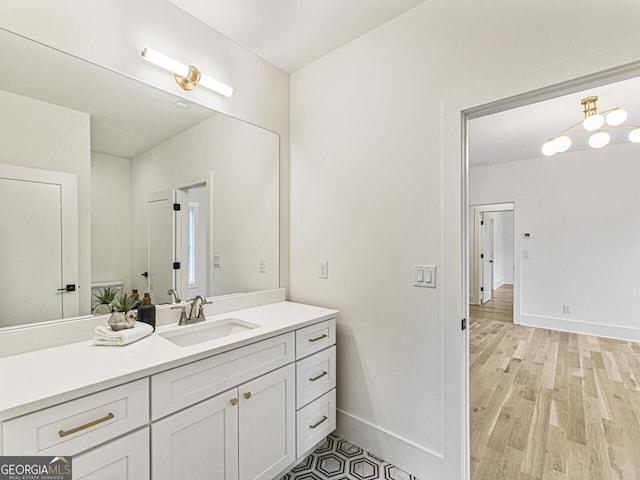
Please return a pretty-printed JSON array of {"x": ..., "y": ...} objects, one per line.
[{"x": 566, "y": 130}]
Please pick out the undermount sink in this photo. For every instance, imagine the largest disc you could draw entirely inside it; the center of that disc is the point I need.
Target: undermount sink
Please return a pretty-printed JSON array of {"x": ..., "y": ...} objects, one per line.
[{"x": 204, "y": 332}]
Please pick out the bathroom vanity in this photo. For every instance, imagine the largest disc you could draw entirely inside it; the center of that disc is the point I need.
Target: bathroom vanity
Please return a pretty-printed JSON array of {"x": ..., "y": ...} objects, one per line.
[{"x": 242, "y": 403}]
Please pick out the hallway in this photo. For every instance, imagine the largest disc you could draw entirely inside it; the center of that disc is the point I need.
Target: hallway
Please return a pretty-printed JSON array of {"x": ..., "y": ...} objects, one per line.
[{"x": 550, "y": 405}]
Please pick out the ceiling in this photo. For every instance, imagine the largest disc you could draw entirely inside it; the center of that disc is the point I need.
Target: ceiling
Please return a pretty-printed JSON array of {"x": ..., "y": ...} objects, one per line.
[
  {"x": 293, "y": 33},
  {"x": 518, "y": 134}
]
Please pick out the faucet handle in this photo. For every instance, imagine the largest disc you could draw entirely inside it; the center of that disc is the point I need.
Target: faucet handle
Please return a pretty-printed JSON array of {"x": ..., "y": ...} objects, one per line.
[
  {"x": 183, "y": 314},
  {"x": 201, "y": 310}
]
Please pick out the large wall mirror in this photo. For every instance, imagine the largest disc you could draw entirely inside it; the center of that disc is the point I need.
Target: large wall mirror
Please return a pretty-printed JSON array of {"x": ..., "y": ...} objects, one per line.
[{"x": 106, "y": 181}]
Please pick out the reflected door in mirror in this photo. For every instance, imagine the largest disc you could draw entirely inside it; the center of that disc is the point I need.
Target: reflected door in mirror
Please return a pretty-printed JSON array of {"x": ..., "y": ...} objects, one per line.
[{"x": 38, "y": 245}]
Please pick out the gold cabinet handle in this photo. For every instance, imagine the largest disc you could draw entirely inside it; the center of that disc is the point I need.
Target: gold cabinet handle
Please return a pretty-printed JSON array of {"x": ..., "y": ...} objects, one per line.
[
  {"x": 234, "y": 401},
  {"x": 324, "y": 419},
  {"x": 247, "y": 395},
  {"x": 109, "y": 416},
  {"x": 324, "y": 335},
  {"x": 313, "y": 379}
]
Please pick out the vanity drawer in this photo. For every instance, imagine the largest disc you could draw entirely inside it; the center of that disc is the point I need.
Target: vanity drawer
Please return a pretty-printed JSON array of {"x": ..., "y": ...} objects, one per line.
[
  {"x": 314, "y": 338},
  {"x": 315, "y": 376},
  {"x": 314, "y": 422},
  {"x": 183, "y": 386},
  {"x": 77, "y": 425}
]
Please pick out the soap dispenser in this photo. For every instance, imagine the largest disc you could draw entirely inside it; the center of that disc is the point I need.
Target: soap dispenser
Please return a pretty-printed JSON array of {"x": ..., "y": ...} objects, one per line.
[{"x": 147, "y": 311}]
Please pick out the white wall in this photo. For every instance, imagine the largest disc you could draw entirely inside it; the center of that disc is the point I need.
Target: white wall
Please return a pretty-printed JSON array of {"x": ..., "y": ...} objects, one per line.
[
  {"x": 37, "y": 134},
  {"x": 581, "y": 209},
  {"x": 240, "y": 162},
  {"x": 112, "y": 33},
  {"x": 110, "y": 220},
  {"x": 376, "y": 187}
]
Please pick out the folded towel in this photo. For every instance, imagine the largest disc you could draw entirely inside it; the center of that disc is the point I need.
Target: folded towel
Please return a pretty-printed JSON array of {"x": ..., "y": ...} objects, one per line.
[{"x": 105, "y": 336}]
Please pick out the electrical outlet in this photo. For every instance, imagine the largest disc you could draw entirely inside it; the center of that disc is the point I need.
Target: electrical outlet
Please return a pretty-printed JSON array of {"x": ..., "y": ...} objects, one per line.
[
  {"x": 262, "y": 265},
  {"x": 216, "y": 261},
  {"x": 323, "y": 270},
  {"x": 567, "y": 308}
]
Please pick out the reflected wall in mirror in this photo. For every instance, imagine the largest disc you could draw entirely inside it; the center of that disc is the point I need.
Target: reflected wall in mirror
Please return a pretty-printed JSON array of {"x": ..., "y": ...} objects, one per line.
[{"x": 134, "y": 151}]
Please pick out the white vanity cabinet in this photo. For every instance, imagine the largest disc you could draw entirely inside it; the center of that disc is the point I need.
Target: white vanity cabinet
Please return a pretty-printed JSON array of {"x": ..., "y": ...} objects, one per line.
[
  {"x": 126, "y": 458},
  {"x": 244, "y": 412},
  {"x": 245, "y": 433},
  {"x": 315, "y": 385}
]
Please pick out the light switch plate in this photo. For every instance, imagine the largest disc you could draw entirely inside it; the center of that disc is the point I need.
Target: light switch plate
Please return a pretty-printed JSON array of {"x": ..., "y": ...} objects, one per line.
[
  {"x": 424, "y": 276},
  {"x": 216, "y": 261}
]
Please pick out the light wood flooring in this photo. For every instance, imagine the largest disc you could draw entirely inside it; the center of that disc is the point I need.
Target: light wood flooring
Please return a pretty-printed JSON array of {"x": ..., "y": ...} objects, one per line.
[{"x": 550, "y": 405}]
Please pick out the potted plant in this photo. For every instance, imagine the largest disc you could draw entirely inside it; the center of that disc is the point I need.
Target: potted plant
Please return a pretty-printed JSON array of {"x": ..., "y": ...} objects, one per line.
[
  {"x": 124, "y": 316},
  {"x": 104, "y": 297}
]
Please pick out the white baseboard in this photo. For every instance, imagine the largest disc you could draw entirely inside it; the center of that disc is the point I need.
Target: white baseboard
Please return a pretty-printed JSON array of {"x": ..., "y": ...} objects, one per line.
[
  {"x": 508, "y": 280},
  {"x": 414, "y": 459},
  {"x": 473, "y": 300},
  {"x": 577, "y": 326}
]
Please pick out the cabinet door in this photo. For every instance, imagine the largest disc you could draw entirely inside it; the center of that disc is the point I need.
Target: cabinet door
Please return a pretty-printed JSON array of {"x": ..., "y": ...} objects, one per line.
[
  {"x": 200, "y": 442},
  {"x": 267, "y": 424},
  {"x": 124, "y": 459}
]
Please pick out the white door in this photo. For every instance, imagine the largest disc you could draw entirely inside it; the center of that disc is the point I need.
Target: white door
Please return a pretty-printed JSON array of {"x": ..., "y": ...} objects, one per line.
[
  {"x": 267, "y": 431},
  {"x": 486, "y": 259},
  {"x": 198, "y": 443},
  {"x": 124, "y": 459},
  {"x": 38, "y": 245},
  {"x": 166, "y": 244}
]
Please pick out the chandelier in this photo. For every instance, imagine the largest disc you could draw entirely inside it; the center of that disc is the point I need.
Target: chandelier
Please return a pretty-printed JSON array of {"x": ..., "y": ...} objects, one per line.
[{"x": 595, "y": 122}]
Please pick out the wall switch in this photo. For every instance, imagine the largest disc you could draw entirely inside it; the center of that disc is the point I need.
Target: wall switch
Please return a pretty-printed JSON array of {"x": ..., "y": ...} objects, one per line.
[
  {"x": 262, "y": 265},
  {"x": 525, "y": 254},
  {"x": 567, "y": 308},
  {"x": 216, "y": 261},
  {"x": 424, "y": 276},
  {"x": 323, "y": 270}
]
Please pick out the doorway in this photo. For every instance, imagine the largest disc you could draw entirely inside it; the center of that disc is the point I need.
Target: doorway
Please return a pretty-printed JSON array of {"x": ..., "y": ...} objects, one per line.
[
  {"x": 527, "y": 370},
  {"x": 491, "y": 262}
]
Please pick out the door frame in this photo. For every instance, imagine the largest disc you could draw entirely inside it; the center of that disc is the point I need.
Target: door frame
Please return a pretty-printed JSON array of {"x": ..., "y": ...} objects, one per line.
[{"x": 457, "y": 109}]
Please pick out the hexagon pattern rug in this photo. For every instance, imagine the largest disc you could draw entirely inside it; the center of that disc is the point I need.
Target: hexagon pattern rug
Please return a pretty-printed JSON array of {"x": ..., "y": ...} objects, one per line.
[{"x": 337, "y": 459}]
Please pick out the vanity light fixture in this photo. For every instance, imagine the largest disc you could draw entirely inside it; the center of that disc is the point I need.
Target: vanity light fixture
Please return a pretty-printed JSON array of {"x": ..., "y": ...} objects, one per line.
[
  {"x": 595, "y": 122},
  {"x": 187, "y": 76}
]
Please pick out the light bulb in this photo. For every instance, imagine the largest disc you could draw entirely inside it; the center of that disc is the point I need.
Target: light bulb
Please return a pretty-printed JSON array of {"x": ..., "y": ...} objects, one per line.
[
  {"x": 562, "y": 144},
  {"x": 165, "y": 62},
  {"x": 599, "y": 140},
  {"x": 634, "y": 135},
  {"x": 616, "y": 117},
  {"x": 548, "y": 148},
  {"x": 594, "y": 122},
  {"x": 216, "y": 85}
]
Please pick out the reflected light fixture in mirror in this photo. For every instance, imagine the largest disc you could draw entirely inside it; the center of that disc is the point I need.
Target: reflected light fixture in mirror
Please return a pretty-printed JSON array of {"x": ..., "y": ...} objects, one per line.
[{"x": 187, "y": 76}]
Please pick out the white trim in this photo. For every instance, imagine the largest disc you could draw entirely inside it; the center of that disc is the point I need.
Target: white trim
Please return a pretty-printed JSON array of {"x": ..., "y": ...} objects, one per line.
[
  {"x": 421, "y": 461},
  {"x": 578, "y": 326}
]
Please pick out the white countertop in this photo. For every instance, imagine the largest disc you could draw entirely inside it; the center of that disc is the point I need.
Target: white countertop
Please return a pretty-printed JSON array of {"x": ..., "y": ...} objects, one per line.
[{"x": 35, "y": 380}]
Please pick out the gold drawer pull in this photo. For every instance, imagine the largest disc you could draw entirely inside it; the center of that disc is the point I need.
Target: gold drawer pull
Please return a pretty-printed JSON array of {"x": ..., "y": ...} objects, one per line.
[
  {"x": 247, "y": 395},
  {"x": 324, "y": 419},
  {"x": 109, "y": 416},
  {"x": 313, "y": 379},
  {"x": 234, "y": 401},
  {"x": 324, "y": 335}
]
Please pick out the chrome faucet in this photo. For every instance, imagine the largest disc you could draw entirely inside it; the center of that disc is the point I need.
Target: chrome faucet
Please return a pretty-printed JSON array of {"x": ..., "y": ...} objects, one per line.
[{"x": 176, "y": 297}]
